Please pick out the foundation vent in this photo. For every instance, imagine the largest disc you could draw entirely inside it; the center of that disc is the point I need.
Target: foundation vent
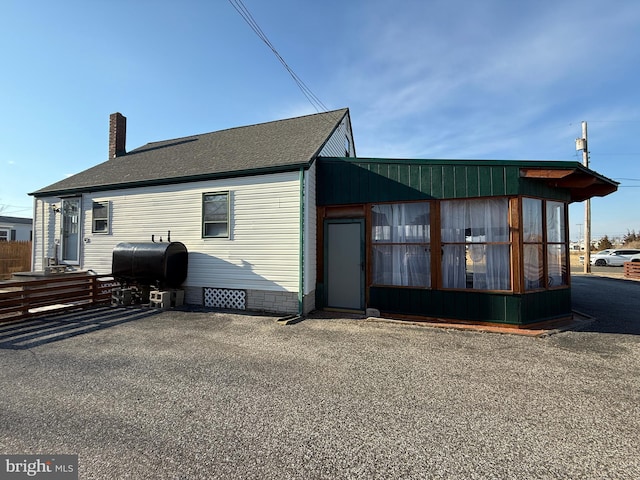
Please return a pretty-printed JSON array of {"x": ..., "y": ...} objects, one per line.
[{"x": 225, "y": 298}]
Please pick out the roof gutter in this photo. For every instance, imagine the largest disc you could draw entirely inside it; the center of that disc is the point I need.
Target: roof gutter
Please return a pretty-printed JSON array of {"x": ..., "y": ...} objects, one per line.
[{"x": 170, "y": 180}]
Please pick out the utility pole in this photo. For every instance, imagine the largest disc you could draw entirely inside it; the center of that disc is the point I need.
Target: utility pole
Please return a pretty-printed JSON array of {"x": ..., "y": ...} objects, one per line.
[
  {"x": 580, "y": 239},
  {"x": 582, "y": 144}
]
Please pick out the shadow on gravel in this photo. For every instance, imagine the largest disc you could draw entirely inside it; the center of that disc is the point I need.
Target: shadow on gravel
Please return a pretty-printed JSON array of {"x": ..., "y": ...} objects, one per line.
[{"x": 35, "y": 332}]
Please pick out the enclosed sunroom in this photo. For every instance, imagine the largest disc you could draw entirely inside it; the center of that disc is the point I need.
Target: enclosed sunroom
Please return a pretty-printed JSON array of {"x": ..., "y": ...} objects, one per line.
[{"x": 454, "y": 240}]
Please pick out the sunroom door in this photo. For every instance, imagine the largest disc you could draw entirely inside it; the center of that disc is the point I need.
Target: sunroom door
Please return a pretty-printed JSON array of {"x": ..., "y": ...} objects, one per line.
[
  {"x": 71, "y": 230},
  {"x": 344, "y": 264}
]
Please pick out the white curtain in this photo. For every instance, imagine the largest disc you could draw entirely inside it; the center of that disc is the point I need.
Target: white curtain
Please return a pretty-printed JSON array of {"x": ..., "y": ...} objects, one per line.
[
  {"x": 453, "y": 221},
  {"x": 556, "y": 254},
  {"x": 555, "y": 222},
  {"x": 401, "y": 254},
  {"x": 471, "y": 261},
  {"x": 532, "y": 237}
]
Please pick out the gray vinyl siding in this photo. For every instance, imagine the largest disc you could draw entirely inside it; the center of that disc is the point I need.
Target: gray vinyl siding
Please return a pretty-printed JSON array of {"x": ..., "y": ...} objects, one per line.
[
  {"x": 261, "y": 253},
  {"x": 335, "y": 146}
]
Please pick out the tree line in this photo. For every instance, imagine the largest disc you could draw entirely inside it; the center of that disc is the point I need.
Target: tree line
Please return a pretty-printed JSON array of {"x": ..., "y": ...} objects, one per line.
[{"x": 630, "y": 240}]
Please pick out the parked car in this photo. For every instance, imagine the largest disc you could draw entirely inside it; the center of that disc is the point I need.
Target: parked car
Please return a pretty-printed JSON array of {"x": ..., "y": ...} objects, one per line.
[
  {"x": 601, "y": 252},
  {"x": 635, "y": 258},
  {"x": 614, "y": 258}
]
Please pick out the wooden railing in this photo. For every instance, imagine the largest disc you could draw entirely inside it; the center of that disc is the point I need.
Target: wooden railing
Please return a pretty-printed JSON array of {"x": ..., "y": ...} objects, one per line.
[
  {"x": 632, "y": 270},
  {"x": 19, "y": 300}
]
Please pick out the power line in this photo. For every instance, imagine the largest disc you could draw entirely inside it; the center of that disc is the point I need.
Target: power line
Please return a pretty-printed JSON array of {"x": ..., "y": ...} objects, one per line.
[{"x": 306, "y": 91}]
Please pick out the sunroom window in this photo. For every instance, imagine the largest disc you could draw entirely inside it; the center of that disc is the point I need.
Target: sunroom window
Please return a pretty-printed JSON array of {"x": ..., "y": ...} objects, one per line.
[
  {"x": 556, "y": 244},
  {"x": 533, "y": 243},
  {"x": 476, "y": 248},
  {"x": 544, "y": 234},
  {"x": 401, "y": 254}
]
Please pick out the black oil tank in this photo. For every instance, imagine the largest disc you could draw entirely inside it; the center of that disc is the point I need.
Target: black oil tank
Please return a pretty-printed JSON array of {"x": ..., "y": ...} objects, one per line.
[{"x": 151, "y": 263}]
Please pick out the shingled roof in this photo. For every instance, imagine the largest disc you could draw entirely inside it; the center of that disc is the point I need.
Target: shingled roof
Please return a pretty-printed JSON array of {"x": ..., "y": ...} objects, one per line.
[{"x": 267, "y": 147}]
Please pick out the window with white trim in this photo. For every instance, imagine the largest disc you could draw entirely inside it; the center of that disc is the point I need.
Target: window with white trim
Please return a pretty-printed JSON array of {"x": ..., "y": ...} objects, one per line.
[
  {"x": 100, "y": 217},
  {"x": 215, "y": 215}
]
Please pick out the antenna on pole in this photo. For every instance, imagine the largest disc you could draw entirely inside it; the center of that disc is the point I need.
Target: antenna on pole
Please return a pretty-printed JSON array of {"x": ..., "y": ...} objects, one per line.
[{"x": 582, "y": 144}]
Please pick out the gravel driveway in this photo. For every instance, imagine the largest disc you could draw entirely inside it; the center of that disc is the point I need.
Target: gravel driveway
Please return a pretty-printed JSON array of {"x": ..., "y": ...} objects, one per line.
[{"x": 145, "y": 394}]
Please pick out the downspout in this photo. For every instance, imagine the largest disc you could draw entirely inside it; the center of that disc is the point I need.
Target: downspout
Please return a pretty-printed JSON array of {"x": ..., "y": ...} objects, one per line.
[
  {"x": 301, "y": 255},
  {"x": 42, "y": 237}
]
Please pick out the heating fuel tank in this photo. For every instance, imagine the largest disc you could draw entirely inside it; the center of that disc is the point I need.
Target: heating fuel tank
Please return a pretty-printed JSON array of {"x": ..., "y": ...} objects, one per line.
[{"x": 150, "y": 263}]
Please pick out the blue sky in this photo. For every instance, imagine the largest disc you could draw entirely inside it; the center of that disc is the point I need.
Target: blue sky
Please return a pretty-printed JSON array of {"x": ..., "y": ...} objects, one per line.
[{"x": 495, "y": 79}]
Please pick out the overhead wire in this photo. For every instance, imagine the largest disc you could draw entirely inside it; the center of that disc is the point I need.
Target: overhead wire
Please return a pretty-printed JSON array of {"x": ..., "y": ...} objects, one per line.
[{"x": 244, "y": 12}]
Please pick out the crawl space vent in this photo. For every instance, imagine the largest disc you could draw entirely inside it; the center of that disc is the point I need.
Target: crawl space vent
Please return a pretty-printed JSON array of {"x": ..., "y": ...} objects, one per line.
[{"x": 225, "y": 298}]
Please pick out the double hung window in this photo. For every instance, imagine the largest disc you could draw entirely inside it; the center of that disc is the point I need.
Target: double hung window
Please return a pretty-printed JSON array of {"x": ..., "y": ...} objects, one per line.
[
  {"x": 100, "y": 217},
  {"x": 215, "y": 215}
]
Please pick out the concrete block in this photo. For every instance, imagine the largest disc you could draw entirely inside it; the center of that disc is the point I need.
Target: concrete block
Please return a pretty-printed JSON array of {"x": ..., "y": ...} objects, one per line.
[{"x": 166, "y": 298}]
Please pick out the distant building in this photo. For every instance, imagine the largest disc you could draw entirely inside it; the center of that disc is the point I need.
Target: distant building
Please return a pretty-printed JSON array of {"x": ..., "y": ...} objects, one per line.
[{"x": 15, "y": 229}]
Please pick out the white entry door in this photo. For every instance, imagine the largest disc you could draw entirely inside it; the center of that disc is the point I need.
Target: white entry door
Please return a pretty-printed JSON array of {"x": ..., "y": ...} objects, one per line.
[{"x": 344, "y": 264}]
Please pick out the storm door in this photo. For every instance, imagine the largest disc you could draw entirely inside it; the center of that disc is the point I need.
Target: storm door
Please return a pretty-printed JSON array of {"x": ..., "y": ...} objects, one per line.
[
  {"x": 344, "y": 264},
  {"x": 71, "y": 230}
]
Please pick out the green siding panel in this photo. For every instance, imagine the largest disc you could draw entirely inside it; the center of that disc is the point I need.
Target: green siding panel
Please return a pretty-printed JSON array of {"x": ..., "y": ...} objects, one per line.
[
  {"x": 460, "y": 181},
  {"x": 485, "y": 181},
  {"x": 473, "y": 181},
  {"x": 498, "y": 181},
  {"x": 425, "y": 179},
  {"x": 540, "y": 189},
  {"x": 512, "y": 181},
  {"x": 437, "y": 181},
  {"x": 448, "y": 181},
  {"x": 473, "y": 306},
  {"x": 344, "y": 181},
  {"x": 546, "y": 305}
]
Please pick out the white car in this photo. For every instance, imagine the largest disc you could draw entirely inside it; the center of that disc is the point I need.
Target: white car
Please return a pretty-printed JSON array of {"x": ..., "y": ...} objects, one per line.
[
  {"x": 635, "y": 258},
  {"x": 614, "y": 258},
  {"x": 601, "y": 252}
]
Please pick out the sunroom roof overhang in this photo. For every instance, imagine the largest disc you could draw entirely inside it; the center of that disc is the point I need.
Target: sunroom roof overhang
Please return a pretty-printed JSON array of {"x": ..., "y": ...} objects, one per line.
[{"x": 581, "y": 182}]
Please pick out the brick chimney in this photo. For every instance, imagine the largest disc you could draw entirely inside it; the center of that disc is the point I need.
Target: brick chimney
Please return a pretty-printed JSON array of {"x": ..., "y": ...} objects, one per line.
[{"x": 117, "y": 135}]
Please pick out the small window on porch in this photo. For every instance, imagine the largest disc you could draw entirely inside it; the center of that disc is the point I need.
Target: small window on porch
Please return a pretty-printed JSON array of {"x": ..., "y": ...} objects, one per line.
[
  {"x": 100, "y": 217},
  {"x": 401, "y": 253}
]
